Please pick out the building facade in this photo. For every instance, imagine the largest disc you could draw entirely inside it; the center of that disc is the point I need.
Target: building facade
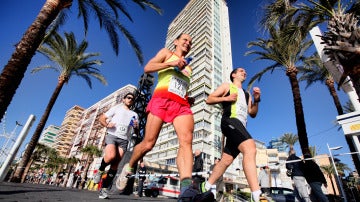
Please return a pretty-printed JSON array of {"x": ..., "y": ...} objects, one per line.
[
  {"x": 48, "y": 136},
  {"x": 276, "y": 143},
  {"x": 68, "y": 129}
]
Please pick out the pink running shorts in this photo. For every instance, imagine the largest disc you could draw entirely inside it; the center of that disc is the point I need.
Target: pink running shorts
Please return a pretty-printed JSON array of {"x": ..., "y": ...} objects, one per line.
[{"x": 167, "y": 109}]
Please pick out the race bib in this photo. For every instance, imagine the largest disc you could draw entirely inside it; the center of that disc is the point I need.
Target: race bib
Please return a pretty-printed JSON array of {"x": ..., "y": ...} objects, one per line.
[
  {"x": 241, "y": 109},
  {"x": 121, "y": 130},
  {"x": 178, "y": 86}
]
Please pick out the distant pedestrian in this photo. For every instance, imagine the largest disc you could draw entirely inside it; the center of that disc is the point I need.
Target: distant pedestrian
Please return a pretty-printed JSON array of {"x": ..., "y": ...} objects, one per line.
[
  {"x": 198, "y": 161},
  {"x": 60, "y": 178},
  {"x": 75, "y": 178},
  {"x": 315, "y": 178},
  {"x": 198, "y": 167},
  {"x": 297, "y": 175},
  {"x": 78, "y": 181},
  {"x": 141, "y": 171},
  {"x": 264, "y": 179}
]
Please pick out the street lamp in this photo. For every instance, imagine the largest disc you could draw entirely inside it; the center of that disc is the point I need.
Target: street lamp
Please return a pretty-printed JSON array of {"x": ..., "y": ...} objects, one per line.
[{"x": 336, "y": 172}]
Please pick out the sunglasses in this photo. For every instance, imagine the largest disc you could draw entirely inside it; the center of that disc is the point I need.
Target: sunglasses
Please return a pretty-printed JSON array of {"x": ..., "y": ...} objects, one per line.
[{"x": 130, "y": 98}]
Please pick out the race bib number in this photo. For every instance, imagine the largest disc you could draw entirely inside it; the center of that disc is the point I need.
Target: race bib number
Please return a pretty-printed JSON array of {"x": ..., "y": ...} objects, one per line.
[
  {"x": 178, "y": 86},
  {"x": 121, "y": 130}
]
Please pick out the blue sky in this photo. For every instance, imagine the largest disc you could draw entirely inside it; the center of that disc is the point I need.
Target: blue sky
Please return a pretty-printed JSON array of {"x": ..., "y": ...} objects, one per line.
[{"x": 276, "y": 112}]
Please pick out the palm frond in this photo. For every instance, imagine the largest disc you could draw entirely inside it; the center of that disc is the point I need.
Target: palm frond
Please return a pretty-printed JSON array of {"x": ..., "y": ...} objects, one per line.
[
  {"x": 55, "y": 25},
  {"x": 136, "y": 47},
  {"x": 71, "y": 58},
  {"x": 144, "y": 3}
]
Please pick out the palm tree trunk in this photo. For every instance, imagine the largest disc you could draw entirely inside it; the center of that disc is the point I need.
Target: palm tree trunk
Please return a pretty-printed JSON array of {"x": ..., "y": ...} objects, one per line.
[
  {"x": 14, "y": 70},
  {"x": 332, "y": 184},
  {"x": 332, "y": 90},
  {"x": 35, "y": 138},
  {"x": 349, "y": 141},
  {"x": 299, "y": 113},
  {"x": 84, "y": 174},
  {"x": 26, "y": 171}
]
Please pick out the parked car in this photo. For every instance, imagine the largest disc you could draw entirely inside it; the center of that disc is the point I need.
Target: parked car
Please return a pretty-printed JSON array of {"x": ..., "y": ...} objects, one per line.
[
  {"x": 166, "y": 186},
  {"x": 281, "y": 194}
]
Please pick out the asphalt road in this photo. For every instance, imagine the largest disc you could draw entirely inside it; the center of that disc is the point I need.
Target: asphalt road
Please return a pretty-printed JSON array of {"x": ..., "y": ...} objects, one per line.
[{"x": 26, "y": 192}]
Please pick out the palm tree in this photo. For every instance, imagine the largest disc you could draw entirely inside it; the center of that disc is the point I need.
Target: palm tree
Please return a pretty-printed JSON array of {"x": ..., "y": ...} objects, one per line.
[
  {"x": 341, "y": 43},
  {"x": 55, "y": 162},
  {"x": 70, "y": 162},
  {"x": 278, "y": 11},
  {"x": 342, "y": 37},
  {"x": 107, "y": 12},
  {"x": 342, "y": 167},
  {"x": 71, "y": 60},
  {"x": 40, "y": 152},
  {"x": 312, "y": 151},
  {"x": 329, "y": 171},
  {"x": 90, "y": 151},
  {"x": 286, "y": 46},
  {"x": 315, "y": 71},
  {"x": 290, "y": 139}
]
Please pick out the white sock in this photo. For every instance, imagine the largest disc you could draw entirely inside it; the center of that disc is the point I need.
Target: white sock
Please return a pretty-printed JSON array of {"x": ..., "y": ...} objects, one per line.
[
  {"x": 256, "y": 195},
  {"x": 207, "y": 186}
]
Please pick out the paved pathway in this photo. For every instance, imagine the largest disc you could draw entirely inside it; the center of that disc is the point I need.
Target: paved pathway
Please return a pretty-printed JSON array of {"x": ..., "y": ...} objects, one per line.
[{"x": 26, "y": 192}]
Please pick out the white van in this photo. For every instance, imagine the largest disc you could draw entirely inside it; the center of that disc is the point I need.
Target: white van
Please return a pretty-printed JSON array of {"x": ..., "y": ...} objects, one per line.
[{"x": 166, "y": 186}]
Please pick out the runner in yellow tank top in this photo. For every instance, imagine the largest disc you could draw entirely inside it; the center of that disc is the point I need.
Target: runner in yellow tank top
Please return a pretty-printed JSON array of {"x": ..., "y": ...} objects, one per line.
[
  {"x": 173, "y": 84},
  {"x": 233, "y": 125},
  {"x": 169, "y": 103}
]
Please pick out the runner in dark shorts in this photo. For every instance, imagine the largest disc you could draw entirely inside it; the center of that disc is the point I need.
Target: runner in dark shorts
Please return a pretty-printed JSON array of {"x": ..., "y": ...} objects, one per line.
[{"x": 237, "y": 105}]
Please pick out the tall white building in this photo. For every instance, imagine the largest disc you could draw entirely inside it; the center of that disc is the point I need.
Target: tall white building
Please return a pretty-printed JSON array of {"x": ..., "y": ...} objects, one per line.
[{"x": 207, "y": 22}]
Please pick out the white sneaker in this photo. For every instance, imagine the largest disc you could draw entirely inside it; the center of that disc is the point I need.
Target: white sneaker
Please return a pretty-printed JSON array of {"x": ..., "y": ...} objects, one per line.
[
  {"x": 123, "y": 178},
  {"x": 104, "y": 193},
  {"x": 98, "y": 176}
]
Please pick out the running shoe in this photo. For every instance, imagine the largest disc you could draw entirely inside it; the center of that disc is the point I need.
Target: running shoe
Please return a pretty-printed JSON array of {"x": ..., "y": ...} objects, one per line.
[
  {"x": 123, "y": 178},
  {"x": 253, "y": 199},
  {"x": 262, "y": 198},
  {"x": 98, "y": 176},
  {"x": 104, "y": 193},
  {"x": 265, "y": 198},
  {"x": 193, "y": 195},
  {"x": 202, "y": 187}
]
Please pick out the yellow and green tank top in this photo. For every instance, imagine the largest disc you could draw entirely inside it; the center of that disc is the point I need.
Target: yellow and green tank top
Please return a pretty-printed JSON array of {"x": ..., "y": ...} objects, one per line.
[
  {"x": 173, "y": 84},
  {"x": 238, "y": 109}
]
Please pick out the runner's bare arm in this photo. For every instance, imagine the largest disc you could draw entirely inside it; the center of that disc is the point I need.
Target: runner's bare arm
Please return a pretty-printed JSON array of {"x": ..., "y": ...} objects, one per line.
[
  {"x": 158, "y": 62},
  {"x": 218, "y": 95},
  {"x": 104, "y": 122}
]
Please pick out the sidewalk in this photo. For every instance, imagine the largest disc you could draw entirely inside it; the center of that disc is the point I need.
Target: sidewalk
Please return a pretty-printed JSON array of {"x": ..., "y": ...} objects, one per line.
[{"x": 25, "y": 192}]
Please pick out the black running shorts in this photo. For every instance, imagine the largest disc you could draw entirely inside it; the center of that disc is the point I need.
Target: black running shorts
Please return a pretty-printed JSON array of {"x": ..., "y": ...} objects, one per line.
[{"x": 235, "y": 134}]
